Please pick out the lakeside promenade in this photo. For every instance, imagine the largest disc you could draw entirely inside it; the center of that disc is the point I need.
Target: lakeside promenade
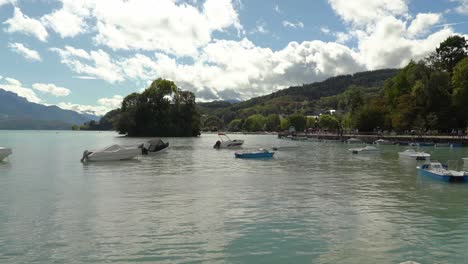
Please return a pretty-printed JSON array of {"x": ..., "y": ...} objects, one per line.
[{"x": 371, "y": 137}]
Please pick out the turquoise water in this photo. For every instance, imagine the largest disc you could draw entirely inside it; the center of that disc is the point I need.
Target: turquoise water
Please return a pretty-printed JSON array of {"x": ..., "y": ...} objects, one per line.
[{"x": 313, "y": 204}]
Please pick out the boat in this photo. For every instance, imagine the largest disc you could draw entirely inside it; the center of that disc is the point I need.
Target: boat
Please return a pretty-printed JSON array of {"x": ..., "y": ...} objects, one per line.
[
  {"x": 153, "y": 146},
  {"x": 354, "y": 141},
  {"x": 4, "y": 152},
  {"x": 422, "y": 144},
  {"x": 259, "y": 154},
  {"x": 383, "y": 142},
  {"x": 366, "y": 149},
  {"x": 440, "y": 171},
  {"x": 111, "y": 153},
  {"x": 413, "y": 154},
  {"x": 226, "y": 142}
]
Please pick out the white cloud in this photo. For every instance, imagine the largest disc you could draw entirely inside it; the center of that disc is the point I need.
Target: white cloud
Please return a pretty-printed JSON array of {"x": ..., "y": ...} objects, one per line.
[
  {"x": 422, "y": 23},
  {"x": 294, "y": 25},
  {"x": 463, "y": 6},
  {"x": 277, "y": 9},
  {"x": 22, "y": 50},
  {"x": 325, "y": 30},
  {"x": 4, "y": 2},
  {"x": 261, "y": 27},
  {"x": 52, "y": 89},
  {"x": 97, "y": 64},
  {"x": 363, "y": 12},
  {"x": 69, "y": 20},
  {"x": 342, "y": 37},
  {"x": 26, "y": 25},
  {"x": 111, "y": 103},
  {"x": 15, "y": 86},
  {"x": 387, "y": 45},
  {"x": 84, "y": 109},
  {"x": 103, "y": 106},
  {"x": 165, "y": 25}
]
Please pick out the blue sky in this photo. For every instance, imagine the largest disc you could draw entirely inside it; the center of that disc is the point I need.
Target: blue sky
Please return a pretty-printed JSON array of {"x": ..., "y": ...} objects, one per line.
[{"x": 87, "y": 55}]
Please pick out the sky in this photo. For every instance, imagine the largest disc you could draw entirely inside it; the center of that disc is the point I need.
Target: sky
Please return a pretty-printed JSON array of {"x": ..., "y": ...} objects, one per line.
[{"x": 87, "y": 55}]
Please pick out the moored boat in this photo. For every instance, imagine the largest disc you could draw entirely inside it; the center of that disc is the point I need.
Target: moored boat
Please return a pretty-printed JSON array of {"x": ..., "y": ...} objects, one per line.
[
  {"x": 366, "y": 149},
  {"x": 227, "y": 142},
  {"x": 111, "y": 153},
  {"x": 153, "y": 146},
  {"x": 354, "y": 141},
  {"x": 260, "y": 154},
  {"x": 383, "y": 142},
  {"x": 440, "y": 171},
  {"x": 413, "y": 154},
  {"x": 4, "y": 152}
]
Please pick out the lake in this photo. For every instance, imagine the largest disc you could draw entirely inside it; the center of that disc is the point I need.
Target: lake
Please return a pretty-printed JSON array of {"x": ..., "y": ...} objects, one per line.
[{"x": 317, "y": 203}]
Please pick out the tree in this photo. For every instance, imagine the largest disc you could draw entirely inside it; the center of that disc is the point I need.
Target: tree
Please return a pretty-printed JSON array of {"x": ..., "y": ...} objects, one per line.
[
  {"x": 255, "y": 123},
  {"x": 369, "y": 118},
  {"x": 460, "y": 92},
  {"x": 298, "y": 121},
  {"x": 235, "y": 125},
  {"x": 284, "y": 123},
  {"x": 449, "y": 53},
  {"x": 329, "y": 122},
  {"x": 272, "y": 122},
  {"x": 161, "y": 110}
]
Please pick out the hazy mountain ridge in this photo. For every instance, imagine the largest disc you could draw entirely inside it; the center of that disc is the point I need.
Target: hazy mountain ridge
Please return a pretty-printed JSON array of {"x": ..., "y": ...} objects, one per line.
[{"x": 18, "y": 113}]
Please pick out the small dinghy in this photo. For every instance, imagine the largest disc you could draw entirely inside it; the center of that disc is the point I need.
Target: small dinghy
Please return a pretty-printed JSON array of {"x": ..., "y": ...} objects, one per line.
[
  {"x": 413, "y": 154},
  {"x": 366, "y": 149},
  {"x": 111, "y": 153},
  {"x": 439, "y": 171},
  {"x": 153, "y": 146},
  {"x": 260, "y": 154},
  {"x": 4, "y": 152}
]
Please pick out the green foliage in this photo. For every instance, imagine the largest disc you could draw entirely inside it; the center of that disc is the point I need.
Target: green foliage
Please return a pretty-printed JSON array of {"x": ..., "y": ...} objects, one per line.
[
  {"x": 235, "y": 125},
  {"x": 460, "y": 93},
  {"x": 273, "y": 122},
  {"x": 212, "y": 123},
  {"x": 449, "y": 53},
  {"x": 298, "y": 121},
  {"x": 329, "y": 122},
  {"x": 311, "y": 122},
  {"x": 284, "y": 123},
  {"x": 255, "y": 123},
  {"x": 369, "y": 118},
  {"x": 161, "y": 110}
]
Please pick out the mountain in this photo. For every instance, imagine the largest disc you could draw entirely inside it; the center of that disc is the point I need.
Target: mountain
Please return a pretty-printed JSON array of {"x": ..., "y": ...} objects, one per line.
[
  {"x": 18, "y": 113},
  {"x": 311, "y": 99}
]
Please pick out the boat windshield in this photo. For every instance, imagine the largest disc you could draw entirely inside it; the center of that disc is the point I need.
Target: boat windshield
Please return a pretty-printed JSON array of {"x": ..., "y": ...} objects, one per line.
[
  {"x": 224, "y": 137},
  {"x": 111, "y": 148}
]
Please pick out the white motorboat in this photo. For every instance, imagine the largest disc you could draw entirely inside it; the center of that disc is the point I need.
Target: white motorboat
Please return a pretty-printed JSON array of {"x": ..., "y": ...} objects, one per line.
[
  {"x": 226, "y": 142},
  {"x": 366, "y": 149},
  {"x": 413, "y": 154},
  {"x": 111, "y": 153},
  {"x": 153, "y": 146},
  {"x": 383, "y": 142},
  {"x": 4, "y": 152},
  {"x": 354, "y": 141}
]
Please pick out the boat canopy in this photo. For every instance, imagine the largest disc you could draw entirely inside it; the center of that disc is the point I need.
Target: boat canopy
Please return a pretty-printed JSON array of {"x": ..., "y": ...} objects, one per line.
[{"x": 155, "y": 145}]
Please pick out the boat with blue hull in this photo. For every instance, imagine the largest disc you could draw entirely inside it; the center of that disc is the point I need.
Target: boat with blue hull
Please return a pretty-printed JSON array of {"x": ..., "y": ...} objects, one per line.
[
  {"x": 440, "y": 171},
  {"x": 260, "y": 154}
]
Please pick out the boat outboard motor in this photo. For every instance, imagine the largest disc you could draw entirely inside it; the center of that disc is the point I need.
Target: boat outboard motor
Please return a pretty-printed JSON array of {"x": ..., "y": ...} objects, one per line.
[
  {"x": 86, "y": 153},
  {"x": 217, "y": 145}
]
